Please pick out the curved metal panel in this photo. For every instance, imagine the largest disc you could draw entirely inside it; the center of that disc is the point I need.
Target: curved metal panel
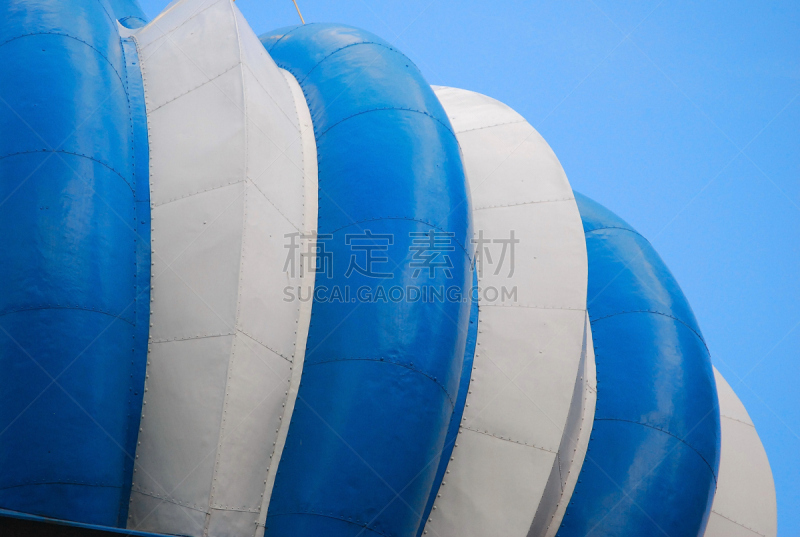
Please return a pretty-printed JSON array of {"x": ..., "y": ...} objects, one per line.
[
  {"x": 307, "y": 262},
  {"x": 574, "y": 443},
  {"x": 745, "y": 503},
  {"x": 530, "y": 343},
  {"x": 381, "y": 377},
  {"x": 228, "y": 189},
  {"x": 654, "y": 452},
  {"x": 73, "y": 312},
  {"x": 141, "y": 159},
  {"x": 463, "y": 389}
]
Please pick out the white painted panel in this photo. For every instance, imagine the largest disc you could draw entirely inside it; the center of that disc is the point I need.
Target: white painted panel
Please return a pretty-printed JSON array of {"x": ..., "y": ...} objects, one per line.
[
  {"x": 180, "y": 423},
  {"x": 257, "y": 383},
  {"x": 745, "y": 500},
  {"x": 176, "y": 48},
  {"x": 719, "y": 526},
  {"x": 478, "y": 488},
  {"x": 521, "y": 375},
  {"x": 264, "y": 314},
  {"x": 308, "y": 148},
  {"x": 184, "y": 163},
  {"x": 468, "y": 110},
  {"x": 729, "y": 404},
  {"x": 522, "y": 157},
  {"x": 196, "y": 245},
  {"x": 271, "y": 156},
  {"x": 531, "y": 344},
  {"x": 228, "y": 184},
  {"x": 550, "y": 258},
  {"x": 167, "y": 511},
  {"x": 275, "y": 145},
  {"x": 177, "y": 12},
  {"x": 574, "y": 444}
]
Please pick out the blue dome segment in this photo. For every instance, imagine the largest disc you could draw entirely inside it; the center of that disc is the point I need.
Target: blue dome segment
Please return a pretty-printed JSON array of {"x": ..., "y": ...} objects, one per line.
[
  {"x": 328, "y": 38},
  {"x": 642, "y": 283},
  {"x": 367, "y": 87},
  {"x": 346, "y": 82},
  {"x": 620, "y": 492},
  {"x": 74, "y": 301},
  {"x": 654, "y": 449},
  {"x": 381, "y": 376},
  {"x": 426, "y": 334},
  {"x": 89, "y": 23},
  {"x": 141, "y": 180},
  {"x": 632, "y": 291}
]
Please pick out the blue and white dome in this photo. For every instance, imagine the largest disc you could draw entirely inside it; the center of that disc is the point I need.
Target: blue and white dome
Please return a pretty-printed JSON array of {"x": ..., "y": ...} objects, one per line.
[{"x": 282, "y": 286}]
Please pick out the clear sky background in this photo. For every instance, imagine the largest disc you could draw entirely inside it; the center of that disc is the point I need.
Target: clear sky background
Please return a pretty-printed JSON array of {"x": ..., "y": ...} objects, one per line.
[{"x": 682, "y": 117}]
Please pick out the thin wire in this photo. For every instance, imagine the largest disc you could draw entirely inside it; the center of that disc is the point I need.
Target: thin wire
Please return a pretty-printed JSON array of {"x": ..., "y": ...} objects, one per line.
[{"x": 298, "y": 12}]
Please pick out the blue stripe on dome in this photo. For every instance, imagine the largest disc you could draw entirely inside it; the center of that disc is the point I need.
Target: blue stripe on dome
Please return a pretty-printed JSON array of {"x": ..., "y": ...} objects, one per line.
[
  {"x": 74, "y": 305},
  {"x": 141, "y": 175},
  {"x": 654, "y": 449},
  {"x": 381, "y": 378}
]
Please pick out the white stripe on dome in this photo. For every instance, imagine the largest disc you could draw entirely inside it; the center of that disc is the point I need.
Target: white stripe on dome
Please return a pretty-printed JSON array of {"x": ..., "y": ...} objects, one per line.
[
  {"x": 227, "y": 185},
  {"x": 744, "y": 504},
  {"x": 530, "y": 348},
  {"x": 574, "y": 442},
  {"x": 309, "y": 145}
]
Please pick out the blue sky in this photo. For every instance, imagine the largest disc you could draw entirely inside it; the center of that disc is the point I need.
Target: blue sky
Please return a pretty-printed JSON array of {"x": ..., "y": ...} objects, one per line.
[{"x": 682, "y": 117}]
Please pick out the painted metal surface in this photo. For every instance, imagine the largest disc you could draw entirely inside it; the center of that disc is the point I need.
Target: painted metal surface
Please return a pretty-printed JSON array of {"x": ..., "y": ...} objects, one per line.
[
  {"x": 141, "y": 156},
  {"x": 744, "y": 505},
  {"x": 381, "y": 378},
  {"x": 654, "y": 451},
  {"x": 73, "y": 307},
  {"x": 458, "y": 413},
  {"x": 307, "y": 263},
  {"x": 382, "y": 416},
  {"x": 227, "y": 187},
  {"x": 574, "y": 443},
  {"x": 530, "y": 346}
]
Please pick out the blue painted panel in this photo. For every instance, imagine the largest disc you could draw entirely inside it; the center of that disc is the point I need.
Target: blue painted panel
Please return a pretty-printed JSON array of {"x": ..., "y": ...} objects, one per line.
[
  {"x": 75, "y": 285},
  {"x": 639, "y": 481},
  {"x": 351, "y": 454},
  {"x": 418, "y": 147},
  {"x": 381, "y": 376},
  {"x": 89, "y": 23},
  {"x": 366, "y": 86},
  {"x": 141, "y": 180},
  {"x": 421, "y": 143},
  {"x": 428, "y": 337},
  {"x": 641, "y": 281},
  {"x": 62, "y": 96},
  {"x": 327, "y": 38},
  {"x": 670, "y": 364},
  {"x": 61, "y": 444},
  {"x": 654, "y": 449}
]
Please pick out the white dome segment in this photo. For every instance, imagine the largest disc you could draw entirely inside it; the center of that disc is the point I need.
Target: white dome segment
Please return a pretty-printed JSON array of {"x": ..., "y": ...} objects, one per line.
[
  {"x": 744, "y": 504},
  {"x": 531, "y": 401},
  {"x": 232, "y": 171}
]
